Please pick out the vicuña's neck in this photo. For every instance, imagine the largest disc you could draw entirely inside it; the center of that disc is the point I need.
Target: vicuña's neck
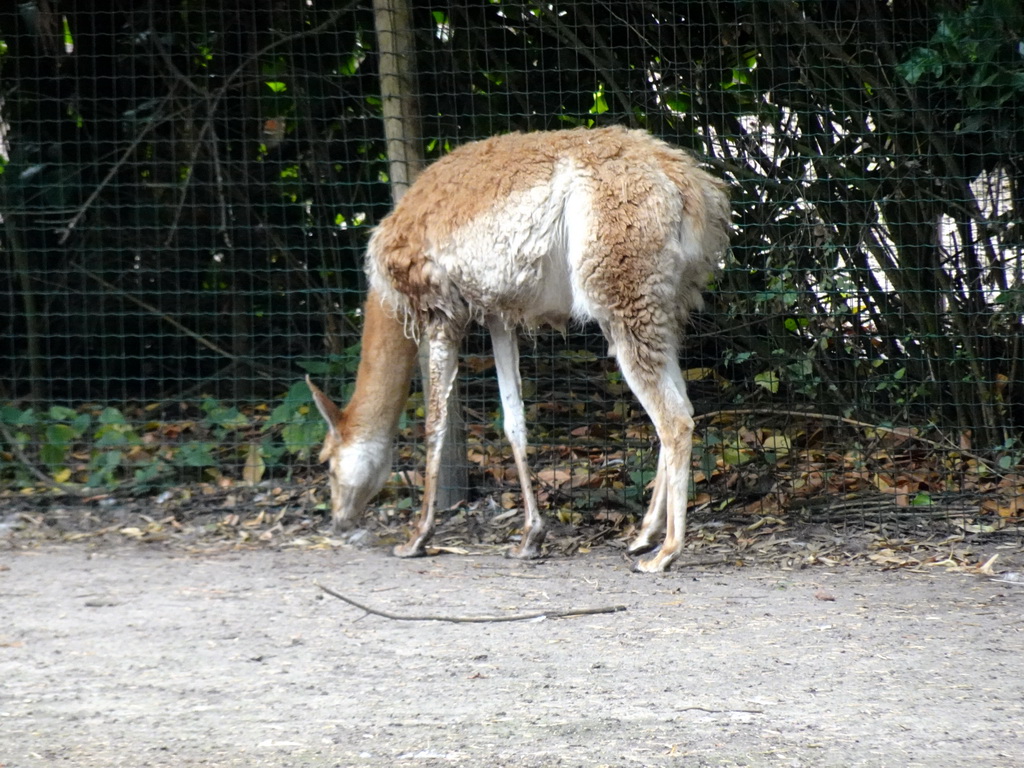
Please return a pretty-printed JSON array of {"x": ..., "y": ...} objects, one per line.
[{"x": 385, "y": 371}]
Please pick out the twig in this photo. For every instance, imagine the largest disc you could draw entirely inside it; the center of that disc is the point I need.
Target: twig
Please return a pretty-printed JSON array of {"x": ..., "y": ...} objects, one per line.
[
  {"x": 65, "y": 232},
  {"x": 212, "y": 101},
  {"x": 474, "y": 619},
  {"x": 162, "y": 315},
  {"x": 589, "y": 52},
  {"x": 721, "y": 711},
  {"x": 897, "y": 431},
  {"x": 70, "y": 490},
  {"x": 1011, "y": 582},
  {"x": 335, "y": 15}
]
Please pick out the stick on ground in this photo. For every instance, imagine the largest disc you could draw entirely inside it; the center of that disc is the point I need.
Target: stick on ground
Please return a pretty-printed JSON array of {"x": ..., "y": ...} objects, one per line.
[{"x": 475, "y": 619}]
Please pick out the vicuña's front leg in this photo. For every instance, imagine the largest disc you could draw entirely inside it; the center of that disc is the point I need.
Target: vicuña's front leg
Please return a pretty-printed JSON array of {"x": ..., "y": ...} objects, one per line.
[
  {"x": 444, "y": 350},
  {"x": 506, "y": 359}
]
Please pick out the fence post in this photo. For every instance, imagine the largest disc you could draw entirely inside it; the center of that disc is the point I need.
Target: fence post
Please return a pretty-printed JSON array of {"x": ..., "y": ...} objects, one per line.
[{"x": 402, "y": 131}]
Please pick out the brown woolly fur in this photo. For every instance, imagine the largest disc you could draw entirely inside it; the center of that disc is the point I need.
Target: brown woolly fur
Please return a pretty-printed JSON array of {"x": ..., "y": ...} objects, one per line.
[
  {"x": 623, "y": 170},
  {"x": 610, "y": 225}
]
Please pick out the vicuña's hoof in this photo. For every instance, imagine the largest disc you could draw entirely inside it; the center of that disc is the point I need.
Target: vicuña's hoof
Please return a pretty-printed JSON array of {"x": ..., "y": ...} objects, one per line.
[
  {"x": 659, "y": 562},
  {"x": 342, "y": 524},
  {"x": 524, "y": 553},
  {"x": 529, "y": 547},
  {"x": 409, "y": 549},
  {"x": 639, "y": 547}
]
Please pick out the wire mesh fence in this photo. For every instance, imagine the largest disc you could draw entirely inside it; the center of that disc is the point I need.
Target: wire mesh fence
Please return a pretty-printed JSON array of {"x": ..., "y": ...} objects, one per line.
[{"x": 188, "y": 188}]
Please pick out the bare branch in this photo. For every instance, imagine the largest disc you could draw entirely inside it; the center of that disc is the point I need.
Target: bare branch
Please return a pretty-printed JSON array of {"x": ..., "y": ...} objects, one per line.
[
  {"x": 45, "y": 479},
  {"x": 162, "y": 315},
  {"x": 905, "y": 432},
  {"x": 84, "y": 207},
  {"x": 474, "y": 619}
]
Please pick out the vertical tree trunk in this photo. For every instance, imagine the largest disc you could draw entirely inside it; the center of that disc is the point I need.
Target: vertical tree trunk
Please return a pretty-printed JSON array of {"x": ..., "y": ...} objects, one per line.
[
  {"x": 33, "y": 326},
  {"x": 402, "y": 130},
  {"x": 398, "y": 93}
]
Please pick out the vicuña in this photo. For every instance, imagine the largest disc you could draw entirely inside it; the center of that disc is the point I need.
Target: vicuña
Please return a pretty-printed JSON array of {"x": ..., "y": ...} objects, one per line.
[{"x": 607, "y": 225}]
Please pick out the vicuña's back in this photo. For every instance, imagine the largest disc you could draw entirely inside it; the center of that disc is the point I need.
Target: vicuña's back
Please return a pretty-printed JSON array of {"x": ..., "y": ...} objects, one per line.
[
  {"x": 610, "y": 225},
  {"x": 536, "y": 227}
]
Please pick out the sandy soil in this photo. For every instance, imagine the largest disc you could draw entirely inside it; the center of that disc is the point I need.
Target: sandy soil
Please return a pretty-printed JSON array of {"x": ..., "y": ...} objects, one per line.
[{"x": 136, "y": 656}]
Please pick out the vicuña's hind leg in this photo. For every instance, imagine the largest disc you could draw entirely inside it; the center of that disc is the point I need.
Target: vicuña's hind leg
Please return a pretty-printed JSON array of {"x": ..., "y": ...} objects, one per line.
[
  {"x": 655, "y": 520},
  {"x": 658, "y": 384},
  {"x": 653, "y": 525}
]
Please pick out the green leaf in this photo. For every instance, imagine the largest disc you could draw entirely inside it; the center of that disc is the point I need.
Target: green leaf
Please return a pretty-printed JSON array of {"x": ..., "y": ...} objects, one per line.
[
  {"x": 111, "y": 416},
  {"x": 224, "y": 417},
  {"x": 298, "y": 394},
  {"x": 779, "y": 445},
  {"x": 81, "y": 423},
  {"x": 349, "y": 65},
  {"x": 767, "y": 380},
  {"x": 678, "y": 102},
  {"x": 16, "y": 417},
  {"x": 102, "y": 468},
  {"x": 281, "y": 414},
  {"x": 299, "y": 438},
  {"x": 60, "y": 413},
  {"x": 735, "y": 456},
  {"x": 923, "y": 61},
  {"x": 196, "y": 455},
  {"x": 641, "y": 477},
  {"x": 60, "y": 434},
  {"x": 148, "y": 476},
  {"x": 294, "y": 407},
  {"x": 272, "y": 452},
  {"x": 53, "y": 454},
  {"x": 109, "y": 437},
  {"x": 708, "y": 463}
]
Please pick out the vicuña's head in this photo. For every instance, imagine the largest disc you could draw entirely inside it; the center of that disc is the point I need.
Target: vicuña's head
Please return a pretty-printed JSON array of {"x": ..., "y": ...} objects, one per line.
[{"x": 358, "y": 462}]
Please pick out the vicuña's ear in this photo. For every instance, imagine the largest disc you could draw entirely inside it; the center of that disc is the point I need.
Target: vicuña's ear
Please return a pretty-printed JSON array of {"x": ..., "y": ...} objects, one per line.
[{"x": 330, "y": 412}]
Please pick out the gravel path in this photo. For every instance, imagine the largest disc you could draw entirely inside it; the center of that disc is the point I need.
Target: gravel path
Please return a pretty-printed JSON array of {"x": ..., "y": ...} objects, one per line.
[{"x": 140, "y": 657}]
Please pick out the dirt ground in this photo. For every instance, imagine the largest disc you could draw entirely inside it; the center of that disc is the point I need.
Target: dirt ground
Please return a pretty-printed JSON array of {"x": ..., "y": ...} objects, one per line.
[{"x": 153, "y": 655}]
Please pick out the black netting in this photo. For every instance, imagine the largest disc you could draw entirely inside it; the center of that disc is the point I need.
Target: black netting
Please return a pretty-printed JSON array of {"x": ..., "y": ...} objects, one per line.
[{"x": 187, "y": 191}]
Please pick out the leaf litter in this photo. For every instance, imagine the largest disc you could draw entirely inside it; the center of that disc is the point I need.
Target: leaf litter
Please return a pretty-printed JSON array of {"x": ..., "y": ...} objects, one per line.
[{"x": 785, "y": 487}]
